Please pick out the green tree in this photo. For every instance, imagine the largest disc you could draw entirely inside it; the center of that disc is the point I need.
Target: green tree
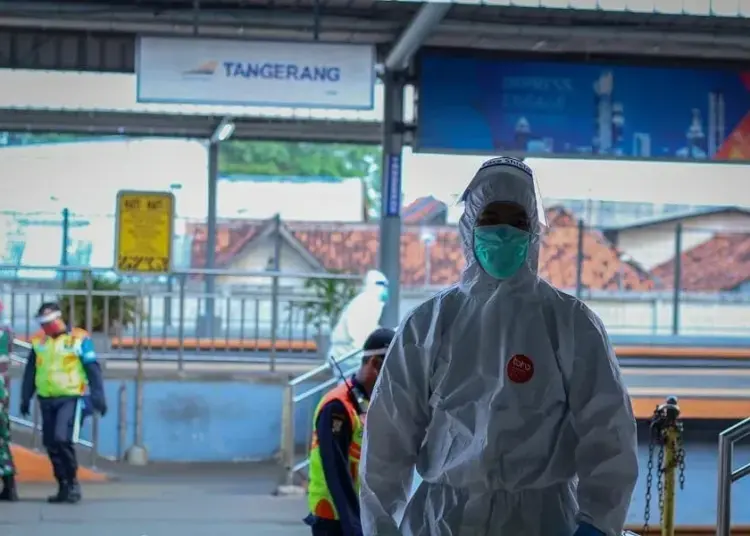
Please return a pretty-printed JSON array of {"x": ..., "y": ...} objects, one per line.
[
  {"x": 276, "y": 158},
  {"x": 306, "y": 160}
]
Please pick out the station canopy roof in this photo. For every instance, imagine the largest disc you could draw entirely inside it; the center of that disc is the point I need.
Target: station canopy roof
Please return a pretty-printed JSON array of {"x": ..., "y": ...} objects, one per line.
[
  {"x": 100, "y": 35},
  {"x": 686, "y": 28}
]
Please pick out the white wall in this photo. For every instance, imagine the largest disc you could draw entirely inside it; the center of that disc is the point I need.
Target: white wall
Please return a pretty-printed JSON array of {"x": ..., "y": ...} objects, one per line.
[
  {"x": 254, "y": 258},
  {"x": 310, "y": 201},
  {"x": 85, "y": 177},
  {"x": 655, "y": 244},
  {"x": 445, "y": 177}
]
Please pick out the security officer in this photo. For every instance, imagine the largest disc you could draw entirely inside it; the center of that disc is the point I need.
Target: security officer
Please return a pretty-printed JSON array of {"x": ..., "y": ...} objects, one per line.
[
  {"x": 333, "y": 490},
  {"x": 62, "y": 362}
]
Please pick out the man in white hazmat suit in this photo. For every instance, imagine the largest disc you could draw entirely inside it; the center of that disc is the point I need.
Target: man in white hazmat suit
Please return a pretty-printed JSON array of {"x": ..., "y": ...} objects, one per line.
[
  {"x": 360, "y": 317},
  {"x": 504, "y": 392}
]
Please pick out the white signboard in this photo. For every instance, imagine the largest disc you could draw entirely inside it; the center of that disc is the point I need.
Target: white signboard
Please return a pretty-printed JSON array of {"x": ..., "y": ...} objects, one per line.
[{"x": 255, "y": 73}]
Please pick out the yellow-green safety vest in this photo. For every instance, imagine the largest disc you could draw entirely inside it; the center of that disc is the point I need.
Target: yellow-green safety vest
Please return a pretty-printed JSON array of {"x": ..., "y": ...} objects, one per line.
[
  {"x": 318, "y": 496},
  {"x": 59, "y": 369}
]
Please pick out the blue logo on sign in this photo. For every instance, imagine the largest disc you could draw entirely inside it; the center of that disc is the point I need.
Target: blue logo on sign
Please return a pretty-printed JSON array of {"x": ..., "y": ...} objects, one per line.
[{"x": 207, "y": 68}]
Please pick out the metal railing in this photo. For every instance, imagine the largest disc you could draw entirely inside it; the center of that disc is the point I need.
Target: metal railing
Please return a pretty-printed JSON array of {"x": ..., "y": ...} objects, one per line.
[
  {"x": 291, "y": 400},
  {"x": 272, "y": 314},
  {"x": 728, "y": 475},
  {"x": 35, "y": 426},
  {"x": 272, "y": 317}
]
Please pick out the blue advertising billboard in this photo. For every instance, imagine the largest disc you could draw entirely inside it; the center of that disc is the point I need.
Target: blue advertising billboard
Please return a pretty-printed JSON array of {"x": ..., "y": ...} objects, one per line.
[{"x": 478, "y": 105}]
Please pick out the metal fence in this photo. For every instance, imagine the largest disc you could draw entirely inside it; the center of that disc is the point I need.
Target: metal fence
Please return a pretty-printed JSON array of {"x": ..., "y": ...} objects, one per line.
[
  {"x": 277, "y": 316},
  {"x": 271, "y": 314}
]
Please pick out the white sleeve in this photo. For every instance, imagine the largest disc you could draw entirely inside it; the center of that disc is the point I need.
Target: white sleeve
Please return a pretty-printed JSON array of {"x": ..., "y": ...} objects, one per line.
[
  {"x": 395, "y": 427},
  {"x": 607, "y": 450}
]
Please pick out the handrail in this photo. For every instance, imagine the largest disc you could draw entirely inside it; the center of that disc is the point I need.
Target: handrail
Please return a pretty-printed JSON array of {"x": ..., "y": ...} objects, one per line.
[
  {"x": 320, "y": 369},
  {"x": 288, "y": 413},
  {"x": 190, "y": 271},
  {"x": 727, "y": 475},
  {"x": 321, "y": 387}
]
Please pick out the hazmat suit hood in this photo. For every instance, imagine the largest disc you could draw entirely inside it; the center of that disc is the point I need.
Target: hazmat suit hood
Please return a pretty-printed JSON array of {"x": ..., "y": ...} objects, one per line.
[
  {"x": 501, "y": 179},
  {"x": 360, "y": 317},
  {"x": 375, "y": 280}
]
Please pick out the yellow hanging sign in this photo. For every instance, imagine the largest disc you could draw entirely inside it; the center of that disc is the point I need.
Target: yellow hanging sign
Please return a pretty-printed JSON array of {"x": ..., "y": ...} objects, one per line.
[{"x": 144, "y": 232}]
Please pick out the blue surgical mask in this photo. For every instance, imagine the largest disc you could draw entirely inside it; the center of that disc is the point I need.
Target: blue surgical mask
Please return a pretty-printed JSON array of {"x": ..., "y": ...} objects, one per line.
[
  {"x": 501, "y": 249},
  {"x": 384, "y": 294}
]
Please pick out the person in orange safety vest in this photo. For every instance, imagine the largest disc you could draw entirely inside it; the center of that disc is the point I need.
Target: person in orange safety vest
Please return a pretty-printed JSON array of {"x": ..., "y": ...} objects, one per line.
[{"x": 338, "y": 425}]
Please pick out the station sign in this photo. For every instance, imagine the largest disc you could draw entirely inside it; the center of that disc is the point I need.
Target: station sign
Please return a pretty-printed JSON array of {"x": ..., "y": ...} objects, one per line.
[
  {"x": 255, "y": 73},
  {"x": 480, "y": 105},
  {"x": 144, "y": 232},
  {"x": 392, "y": 200}
]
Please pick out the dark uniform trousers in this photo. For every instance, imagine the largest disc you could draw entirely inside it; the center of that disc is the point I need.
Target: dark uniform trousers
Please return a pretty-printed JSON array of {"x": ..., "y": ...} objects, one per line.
[{"x": 58, "y": 423}]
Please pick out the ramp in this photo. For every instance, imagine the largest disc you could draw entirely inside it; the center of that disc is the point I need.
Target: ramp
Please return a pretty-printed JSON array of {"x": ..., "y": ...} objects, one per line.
[{"x": 35, "y": 467}]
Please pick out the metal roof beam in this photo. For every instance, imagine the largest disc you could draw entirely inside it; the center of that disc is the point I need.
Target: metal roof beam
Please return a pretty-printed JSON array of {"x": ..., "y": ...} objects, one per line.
[
  {"x": 140, "y": 124},
  {"x": 427, "y": 19}
]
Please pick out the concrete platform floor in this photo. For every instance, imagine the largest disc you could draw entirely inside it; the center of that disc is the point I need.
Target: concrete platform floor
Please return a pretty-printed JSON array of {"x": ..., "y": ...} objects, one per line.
[
  {"x": 235, "y": 500},
  {"x": 157, "y": 507}
]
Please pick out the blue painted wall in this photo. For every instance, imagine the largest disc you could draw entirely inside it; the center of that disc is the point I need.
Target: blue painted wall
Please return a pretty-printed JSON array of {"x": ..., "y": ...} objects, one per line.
[{"x": 190, "y": 421}]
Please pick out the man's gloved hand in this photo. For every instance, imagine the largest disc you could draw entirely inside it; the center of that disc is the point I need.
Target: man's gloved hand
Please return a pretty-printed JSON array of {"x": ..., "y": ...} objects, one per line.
[
  {"x": 100, "y": 404},
  {"x": 25, "y": 408},
  {"x": 584, "y": 529}
]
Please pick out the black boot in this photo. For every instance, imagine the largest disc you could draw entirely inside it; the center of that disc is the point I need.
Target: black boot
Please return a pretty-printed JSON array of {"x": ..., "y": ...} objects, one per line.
[
  {"x": 74, "y": 492},
  {"x": 9, "y": 493},
  {"x": 62, "y": 493}
]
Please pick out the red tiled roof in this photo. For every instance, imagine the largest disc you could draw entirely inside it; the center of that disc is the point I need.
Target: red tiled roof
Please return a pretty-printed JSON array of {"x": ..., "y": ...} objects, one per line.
[
  {"x": 353, "y": 248},
  {"x": 603, "y": 268},
  {"x": 721, "y": 263},
  {"x": 231, "y": 237},
  {"x": 422, "y": 209}
]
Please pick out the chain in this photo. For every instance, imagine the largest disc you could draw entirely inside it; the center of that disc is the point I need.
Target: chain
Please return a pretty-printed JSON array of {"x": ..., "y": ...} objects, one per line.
[
  {"x": 660, "y": 483},
  {"x": 649, "y": 482},
  {"x": 681, "y": 459},
  {"x": 663, "y": 423}
]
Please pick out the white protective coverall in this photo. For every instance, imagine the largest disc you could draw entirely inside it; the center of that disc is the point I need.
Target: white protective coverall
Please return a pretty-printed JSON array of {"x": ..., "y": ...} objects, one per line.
[
  {"x": 360, "y": 317},
  {"x": 531, "y": 457}
]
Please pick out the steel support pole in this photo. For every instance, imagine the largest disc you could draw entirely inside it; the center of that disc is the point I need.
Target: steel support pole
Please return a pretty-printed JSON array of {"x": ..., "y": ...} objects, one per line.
[
  {"x": 213, "y": 179},
  {"x": 390, "y": 221},
  {"x": 677, "y": 285},
  {"x": 65, "y": 242},
  {"x": 724, "y": 495},
  {"x": 427, "y": 19},
  {"x": 580, "y": 259}
]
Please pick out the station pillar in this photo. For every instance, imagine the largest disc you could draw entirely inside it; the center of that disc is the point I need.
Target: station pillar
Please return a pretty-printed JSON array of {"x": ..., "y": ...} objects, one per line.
[
  {"x": 390, "y": 220},
  {"x": 207, "y": 322}
]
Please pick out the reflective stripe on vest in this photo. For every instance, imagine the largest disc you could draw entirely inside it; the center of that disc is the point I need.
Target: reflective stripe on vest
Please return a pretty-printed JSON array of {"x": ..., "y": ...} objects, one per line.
[
  {"x": 319, "y": 497},
  {"x": 59, "y": 370}
]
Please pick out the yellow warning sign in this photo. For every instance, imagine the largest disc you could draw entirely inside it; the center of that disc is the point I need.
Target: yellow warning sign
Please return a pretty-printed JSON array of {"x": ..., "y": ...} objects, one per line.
[{"x": 144, "y": 232}]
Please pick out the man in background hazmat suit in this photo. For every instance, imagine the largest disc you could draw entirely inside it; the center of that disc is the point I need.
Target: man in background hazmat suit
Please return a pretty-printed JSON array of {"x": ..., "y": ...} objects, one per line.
[
  {"x": 360, "y": 317},
  {"x": 503, "y": 391}
]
